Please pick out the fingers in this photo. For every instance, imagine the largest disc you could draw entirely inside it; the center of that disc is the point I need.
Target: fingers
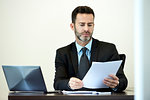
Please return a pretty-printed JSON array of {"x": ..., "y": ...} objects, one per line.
[
  {"x": 111, "y": 82},
  {"x": 113, "y": 77},
  {"x": 75, "y": 83}
]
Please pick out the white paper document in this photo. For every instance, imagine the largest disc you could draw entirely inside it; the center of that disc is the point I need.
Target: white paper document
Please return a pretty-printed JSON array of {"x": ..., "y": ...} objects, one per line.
[
  {"x": 78, "y": 92},
  {"x": 85, "y": 93},
  {"x": 98, "y": 71}
]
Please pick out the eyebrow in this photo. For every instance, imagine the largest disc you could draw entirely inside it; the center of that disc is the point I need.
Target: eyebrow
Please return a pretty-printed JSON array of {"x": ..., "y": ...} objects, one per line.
[{"x": 87, "y": 23}]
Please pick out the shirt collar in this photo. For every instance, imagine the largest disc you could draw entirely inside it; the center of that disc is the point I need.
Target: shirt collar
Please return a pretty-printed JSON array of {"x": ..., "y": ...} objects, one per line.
[{"x": 88, "y": 46}]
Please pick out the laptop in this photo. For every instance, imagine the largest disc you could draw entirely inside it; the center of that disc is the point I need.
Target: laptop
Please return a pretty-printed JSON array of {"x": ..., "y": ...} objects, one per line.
[{"x": 24, "y": 78}]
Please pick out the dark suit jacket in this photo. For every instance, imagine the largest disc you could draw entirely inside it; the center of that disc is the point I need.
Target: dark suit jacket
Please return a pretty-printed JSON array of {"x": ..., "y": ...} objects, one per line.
[{"x": 66, "y": 63}]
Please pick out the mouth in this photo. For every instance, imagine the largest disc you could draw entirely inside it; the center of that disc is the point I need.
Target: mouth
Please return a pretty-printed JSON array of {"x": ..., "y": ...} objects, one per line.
[{"x": 85, "y": 34}]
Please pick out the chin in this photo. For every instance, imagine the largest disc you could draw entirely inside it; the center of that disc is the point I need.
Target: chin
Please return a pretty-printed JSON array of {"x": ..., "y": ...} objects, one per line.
[{"x": 85, "y": 39}]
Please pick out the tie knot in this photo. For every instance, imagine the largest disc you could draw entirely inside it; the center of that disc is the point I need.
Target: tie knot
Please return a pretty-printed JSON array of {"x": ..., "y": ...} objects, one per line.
[{"x": 84, "y": 50}]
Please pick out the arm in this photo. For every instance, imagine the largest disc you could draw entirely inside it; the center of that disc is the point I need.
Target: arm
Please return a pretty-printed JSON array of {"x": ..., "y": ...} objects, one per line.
[
  {"x": 118, "y": 81},
  {"x": 123, "y": 82},
  {"x": 61, "y": 78},
  {"x": 64, "y": 75}
]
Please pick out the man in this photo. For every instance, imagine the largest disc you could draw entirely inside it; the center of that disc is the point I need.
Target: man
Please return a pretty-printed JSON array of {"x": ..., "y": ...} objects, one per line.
[{"x": 68, "y": 59}]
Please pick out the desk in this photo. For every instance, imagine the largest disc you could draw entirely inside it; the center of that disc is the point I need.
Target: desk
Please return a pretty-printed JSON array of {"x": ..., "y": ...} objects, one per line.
[{"x": 127, "y": 95}]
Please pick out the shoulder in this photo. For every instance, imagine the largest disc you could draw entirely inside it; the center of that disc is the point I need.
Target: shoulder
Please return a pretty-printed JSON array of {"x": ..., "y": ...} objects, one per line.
[
  {"x": 67, "y": 48},
  {"x": 105, "y": 50},
  {"x": 102, "y": 43}
]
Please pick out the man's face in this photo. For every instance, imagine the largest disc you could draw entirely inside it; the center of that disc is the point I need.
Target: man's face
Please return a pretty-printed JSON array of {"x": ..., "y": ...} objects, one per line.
[{"x": 83, "y": 27}]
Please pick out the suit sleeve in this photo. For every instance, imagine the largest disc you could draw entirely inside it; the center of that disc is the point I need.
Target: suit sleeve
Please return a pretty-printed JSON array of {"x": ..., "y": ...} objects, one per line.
[
  {"x": 120, "y": 74},
  {"x": 61, "y": 79}
]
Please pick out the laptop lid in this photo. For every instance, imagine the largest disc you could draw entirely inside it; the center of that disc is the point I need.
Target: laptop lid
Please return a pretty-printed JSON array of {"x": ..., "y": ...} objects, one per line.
[{"x": 24, "y": 78}]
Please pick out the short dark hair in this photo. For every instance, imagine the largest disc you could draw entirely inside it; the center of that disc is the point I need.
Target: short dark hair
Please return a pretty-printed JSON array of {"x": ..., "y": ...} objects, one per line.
[{"x": 82, "y": 10}]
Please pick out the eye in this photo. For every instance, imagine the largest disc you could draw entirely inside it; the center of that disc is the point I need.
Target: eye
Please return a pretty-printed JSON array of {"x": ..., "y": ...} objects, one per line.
[
  {"x": 82, "y": 24},
  {"x": 90, "y": 25}
]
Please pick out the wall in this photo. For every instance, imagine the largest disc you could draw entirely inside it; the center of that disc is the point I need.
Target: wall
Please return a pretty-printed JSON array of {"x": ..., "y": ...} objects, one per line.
[{"x": 32, "y": 30}]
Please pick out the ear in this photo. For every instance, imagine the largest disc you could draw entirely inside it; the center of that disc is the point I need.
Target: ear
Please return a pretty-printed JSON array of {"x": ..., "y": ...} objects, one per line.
[{"x": 72, "y": 26}]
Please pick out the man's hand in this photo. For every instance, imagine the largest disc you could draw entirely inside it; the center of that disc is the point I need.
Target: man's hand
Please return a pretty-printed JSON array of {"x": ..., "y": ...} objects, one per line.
[
  {"x": 111, "y": 82},
  {"x": 75, "y": 83}
]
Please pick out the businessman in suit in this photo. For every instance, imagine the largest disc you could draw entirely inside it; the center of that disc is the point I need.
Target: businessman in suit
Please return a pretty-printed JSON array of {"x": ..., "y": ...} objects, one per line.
[{"x": 68, "y": 64}]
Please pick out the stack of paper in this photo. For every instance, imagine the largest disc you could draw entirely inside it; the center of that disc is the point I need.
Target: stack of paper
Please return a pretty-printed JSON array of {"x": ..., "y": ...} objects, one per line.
[{"x": 98, "y": 71}]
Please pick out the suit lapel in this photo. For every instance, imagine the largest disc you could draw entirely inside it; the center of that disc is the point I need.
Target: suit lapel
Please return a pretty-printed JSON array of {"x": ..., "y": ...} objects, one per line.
[
  {"x": 94, "y": 52},
  {"x": 74, "y": 57}
]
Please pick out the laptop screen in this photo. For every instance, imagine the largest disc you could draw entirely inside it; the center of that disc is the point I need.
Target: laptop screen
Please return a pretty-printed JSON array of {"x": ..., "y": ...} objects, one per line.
[{"x": 24, "y": 78}]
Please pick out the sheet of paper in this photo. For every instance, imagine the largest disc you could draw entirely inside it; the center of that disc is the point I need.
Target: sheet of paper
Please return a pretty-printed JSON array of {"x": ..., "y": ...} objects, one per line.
[
  {"x": 78, "y": 92},
  {"x": 98, "y": 71},
  {"x": 85, "y": 93}
]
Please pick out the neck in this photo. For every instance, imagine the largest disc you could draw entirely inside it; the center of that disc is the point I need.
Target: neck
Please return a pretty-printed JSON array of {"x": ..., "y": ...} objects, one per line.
[{"x": 81, "y": 43}]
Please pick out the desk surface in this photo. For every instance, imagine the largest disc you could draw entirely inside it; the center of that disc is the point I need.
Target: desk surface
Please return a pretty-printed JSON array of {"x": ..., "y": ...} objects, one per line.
[{"x": 127, "y": 95}]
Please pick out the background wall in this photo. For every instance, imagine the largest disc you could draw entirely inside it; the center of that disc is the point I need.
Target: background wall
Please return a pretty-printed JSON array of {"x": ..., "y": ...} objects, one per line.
[{"x": 32, "y": 30}]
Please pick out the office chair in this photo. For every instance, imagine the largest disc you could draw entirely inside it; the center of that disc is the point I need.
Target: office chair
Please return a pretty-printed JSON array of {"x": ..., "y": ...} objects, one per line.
[{"x": 123, "y": 58}]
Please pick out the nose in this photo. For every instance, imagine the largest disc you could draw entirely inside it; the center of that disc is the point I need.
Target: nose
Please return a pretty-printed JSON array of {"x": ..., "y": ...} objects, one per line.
[{"x": 86, "y": 27}]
